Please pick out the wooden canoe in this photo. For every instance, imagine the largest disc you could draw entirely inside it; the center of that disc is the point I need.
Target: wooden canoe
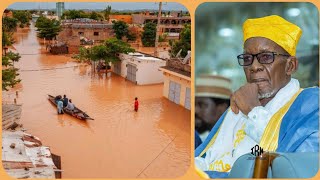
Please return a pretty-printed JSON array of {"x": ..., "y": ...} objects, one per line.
[{"x": 77, "y": 113}]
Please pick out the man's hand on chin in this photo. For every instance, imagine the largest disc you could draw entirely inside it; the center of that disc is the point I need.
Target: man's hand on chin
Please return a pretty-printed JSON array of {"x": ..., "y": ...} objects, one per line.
[{"x": 245, "y": 99}]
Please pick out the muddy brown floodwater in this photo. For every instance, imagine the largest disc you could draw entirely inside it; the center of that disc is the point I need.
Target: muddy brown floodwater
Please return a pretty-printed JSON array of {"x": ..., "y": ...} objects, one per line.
[{"x": 153, "y": 142}]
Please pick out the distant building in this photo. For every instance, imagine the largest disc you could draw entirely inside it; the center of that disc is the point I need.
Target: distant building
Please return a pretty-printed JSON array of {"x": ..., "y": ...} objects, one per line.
[
  {"x": 84, "y": 31},
  {"x": 7, "y": 13},
  {"x": 139, "y": 68},
  {"x": 171, "y": 24},
  {"x": 125, "y": 18},
  {"x": 52, "y": 17},
  {"x": 35, "y": 17},
  {"x": 177, "y": 81},
  {"x": 59, "y": 9}
]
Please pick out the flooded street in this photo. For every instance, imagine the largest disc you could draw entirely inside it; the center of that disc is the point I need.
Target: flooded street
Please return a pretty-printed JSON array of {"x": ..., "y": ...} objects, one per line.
[{"x": 119, "y": 142}]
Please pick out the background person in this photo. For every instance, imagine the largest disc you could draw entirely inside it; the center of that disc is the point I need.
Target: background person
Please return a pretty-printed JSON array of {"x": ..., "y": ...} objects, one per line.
[
  {"x": 270, "y": 110},
  {"x": 211, "y": 101},
  {"x": 136, "y": 104}
]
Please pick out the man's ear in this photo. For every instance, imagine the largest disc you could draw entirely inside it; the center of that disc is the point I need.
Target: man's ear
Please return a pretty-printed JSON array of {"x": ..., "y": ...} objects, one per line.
[{"x": 291, "y": 65}]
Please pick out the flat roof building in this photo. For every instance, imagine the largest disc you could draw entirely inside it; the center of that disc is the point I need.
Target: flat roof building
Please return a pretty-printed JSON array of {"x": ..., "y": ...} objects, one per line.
[{"x": 140, "y": 68}]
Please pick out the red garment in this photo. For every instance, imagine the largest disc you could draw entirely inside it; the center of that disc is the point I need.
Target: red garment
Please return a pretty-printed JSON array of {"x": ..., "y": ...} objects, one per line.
[{"x": 136, "y": 105}]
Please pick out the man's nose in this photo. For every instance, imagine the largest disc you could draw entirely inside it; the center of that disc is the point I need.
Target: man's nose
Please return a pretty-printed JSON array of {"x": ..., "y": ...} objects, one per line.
[{"x": 256, "y": 66}]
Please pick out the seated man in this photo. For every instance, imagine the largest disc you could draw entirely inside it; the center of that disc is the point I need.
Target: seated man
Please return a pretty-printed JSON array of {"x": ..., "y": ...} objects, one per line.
[
  {"x": 271, "y": 110},
  {"x": 70, "y": 106}
]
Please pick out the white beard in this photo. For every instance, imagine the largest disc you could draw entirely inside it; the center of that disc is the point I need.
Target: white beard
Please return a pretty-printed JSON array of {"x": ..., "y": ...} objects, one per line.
[{"x": 266, "y": 95}]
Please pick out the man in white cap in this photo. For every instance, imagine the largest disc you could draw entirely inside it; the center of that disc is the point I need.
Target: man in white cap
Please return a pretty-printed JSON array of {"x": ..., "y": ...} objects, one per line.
[
  {"x": 212, "y": 100},
  {"x": 270, "y": 110}
]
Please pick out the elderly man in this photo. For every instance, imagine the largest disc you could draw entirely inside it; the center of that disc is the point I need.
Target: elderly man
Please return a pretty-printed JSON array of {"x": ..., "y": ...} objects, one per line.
[
  {"x": 271, "y": 110},
  {"x": 212, "y": 100}
]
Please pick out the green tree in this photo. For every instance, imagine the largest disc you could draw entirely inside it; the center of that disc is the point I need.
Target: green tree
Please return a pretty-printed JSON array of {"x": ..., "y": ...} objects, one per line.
[
  {"x": 83, "y": 55},
  {"x": 10, "y": 58},
  {"x": 149, "y": 35},
  {"x": 47, "y": 28},
  {"x": 40, "y": 21},
  {"x": 183, "y": 43},
  {"x": 7, "y": 39},
  {"x": 107, "y": 52},
  {"x": 9, "y": 24},
  {"x": 107, "y": 13},
  {"x": 131, "y": 36},
  {"x": 9, "y": 78},
  {"x": 163, "y": 37},
  {"x": 74, "y": 14},
  {"x": 116, "y": 46},
  {"x": 120, "y": 28},
  {"x": 22, "y": 16},
  {"x": 9, "y": 73},
  {"x": 121, "y": 13},
  {"x": 96, "y": 16}
]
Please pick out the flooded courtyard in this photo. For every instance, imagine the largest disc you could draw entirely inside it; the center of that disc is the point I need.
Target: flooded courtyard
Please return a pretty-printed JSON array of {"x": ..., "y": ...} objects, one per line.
[{"x": 119, "y": 142}]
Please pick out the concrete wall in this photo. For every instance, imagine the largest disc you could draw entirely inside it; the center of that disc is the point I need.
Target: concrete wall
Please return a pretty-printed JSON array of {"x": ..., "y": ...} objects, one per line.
[
  {"x": 124, "y": 68},
  {"x": 149, "y": 73},
  {"x": 137, "y": 19},
  {"x": 125, "y": 18},
  {"x": 89, "y": 33},
  {"x": 71, "y": 36},
  {"x": 183, "y": 82},
  {"x": 124, "y": 61}
]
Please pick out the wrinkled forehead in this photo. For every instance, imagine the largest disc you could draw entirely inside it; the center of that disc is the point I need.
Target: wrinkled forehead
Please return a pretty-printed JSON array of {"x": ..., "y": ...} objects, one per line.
[{"x": 261, "y": 44}]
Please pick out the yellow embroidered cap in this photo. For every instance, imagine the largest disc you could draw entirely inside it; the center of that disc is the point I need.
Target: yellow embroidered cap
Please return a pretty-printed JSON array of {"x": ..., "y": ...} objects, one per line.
[{"x": 275, "y": 28}]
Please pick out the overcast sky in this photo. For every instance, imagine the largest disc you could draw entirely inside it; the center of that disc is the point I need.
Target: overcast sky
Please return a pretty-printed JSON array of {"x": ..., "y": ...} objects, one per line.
[{"x": 98, "y": 5}]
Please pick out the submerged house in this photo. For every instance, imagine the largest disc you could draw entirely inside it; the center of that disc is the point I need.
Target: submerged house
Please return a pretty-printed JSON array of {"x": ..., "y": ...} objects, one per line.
[
  {"x": 139, "y": 68},
  {"x": 177, "y": 81},
  {"x": 84, "y": 31}
]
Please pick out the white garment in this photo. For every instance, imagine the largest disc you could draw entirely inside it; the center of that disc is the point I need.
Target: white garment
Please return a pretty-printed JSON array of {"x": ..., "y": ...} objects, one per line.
[
  {"x": 70, "y": 106},
  {"x": 239, "y": 133},
  {"x": 204, "y": 135}
]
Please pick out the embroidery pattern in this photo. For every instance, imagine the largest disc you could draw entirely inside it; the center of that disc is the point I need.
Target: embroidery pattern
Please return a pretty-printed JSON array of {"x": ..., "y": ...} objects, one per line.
[
  {"x": 239, "y": 136},
  {"x": 219, "y": 165}
]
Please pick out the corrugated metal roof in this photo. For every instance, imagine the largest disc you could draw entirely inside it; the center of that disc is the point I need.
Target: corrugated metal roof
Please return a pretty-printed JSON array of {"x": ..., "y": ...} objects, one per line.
[{"x": 23, "y": 156}]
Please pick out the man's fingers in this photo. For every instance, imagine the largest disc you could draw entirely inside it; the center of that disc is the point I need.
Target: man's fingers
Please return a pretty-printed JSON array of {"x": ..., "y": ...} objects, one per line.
[
  {"x": 235, "y": 109},
  {"x": 254, "y": 86},
  {"x": 233, "y": 105}
]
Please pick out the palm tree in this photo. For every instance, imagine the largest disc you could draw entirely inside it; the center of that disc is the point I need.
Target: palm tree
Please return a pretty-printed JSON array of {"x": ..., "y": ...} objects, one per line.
[{"x": 107, "y": 13}]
